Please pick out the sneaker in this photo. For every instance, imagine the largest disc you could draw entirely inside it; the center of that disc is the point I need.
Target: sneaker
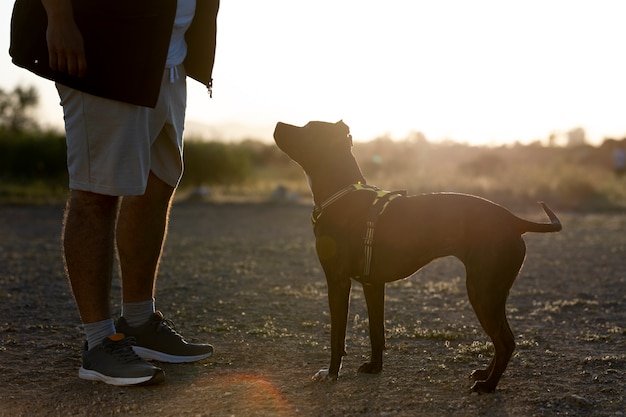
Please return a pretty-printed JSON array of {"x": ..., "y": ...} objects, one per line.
[
  {"x": 157, "y": 339},
  {"x": 114, "y": 362}
]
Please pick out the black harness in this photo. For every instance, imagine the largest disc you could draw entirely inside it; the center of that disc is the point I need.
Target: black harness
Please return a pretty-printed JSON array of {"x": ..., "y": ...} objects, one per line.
[{"x": 380, "y": 203}]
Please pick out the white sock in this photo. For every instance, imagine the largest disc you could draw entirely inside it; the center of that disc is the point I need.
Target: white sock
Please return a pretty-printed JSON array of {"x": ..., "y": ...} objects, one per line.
[
  {"x": 96, "y": 332},
  {"x": 137, "y": 314}
]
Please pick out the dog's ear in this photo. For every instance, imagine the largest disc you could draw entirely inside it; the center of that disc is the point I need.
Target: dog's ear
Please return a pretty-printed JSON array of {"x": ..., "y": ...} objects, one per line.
[
  {"x": 344, "y": 127},
  {"x": 345, "y": 130}
]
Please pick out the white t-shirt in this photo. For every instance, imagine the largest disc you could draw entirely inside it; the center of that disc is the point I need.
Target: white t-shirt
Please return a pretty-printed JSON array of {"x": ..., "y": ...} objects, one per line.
[{"x": 177, "y": 52}]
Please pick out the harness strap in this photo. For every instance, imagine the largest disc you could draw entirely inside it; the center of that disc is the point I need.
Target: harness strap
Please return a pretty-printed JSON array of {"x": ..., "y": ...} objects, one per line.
[
  {"x": 317, "y": 210},
  {"x": 382, "y": 200},
  {"x": 380, "y": 203}
]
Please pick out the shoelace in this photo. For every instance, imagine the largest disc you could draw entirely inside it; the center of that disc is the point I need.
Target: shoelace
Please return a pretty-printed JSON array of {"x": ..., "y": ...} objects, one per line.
[
  {"x": 122, "y": 349},
  {"x": 169, "y": 326}
]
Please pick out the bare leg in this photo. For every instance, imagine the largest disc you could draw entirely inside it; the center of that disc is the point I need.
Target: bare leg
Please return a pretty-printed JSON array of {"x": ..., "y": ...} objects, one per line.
[
  {"x": 88, "y": 242},
  {"x": 141, "y": 230}
]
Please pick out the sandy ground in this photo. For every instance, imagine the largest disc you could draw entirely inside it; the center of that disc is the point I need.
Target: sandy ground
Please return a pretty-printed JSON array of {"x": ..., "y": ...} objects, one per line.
[{"x": 245, "y": 278}]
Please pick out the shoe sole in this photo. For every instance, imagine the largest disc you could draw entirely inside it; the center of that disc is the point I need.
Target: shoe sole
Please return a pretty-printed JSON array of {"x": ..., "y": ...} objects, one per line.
[
  {"x": 91, "y": 375},
  {"x": 146, "y": 353}
]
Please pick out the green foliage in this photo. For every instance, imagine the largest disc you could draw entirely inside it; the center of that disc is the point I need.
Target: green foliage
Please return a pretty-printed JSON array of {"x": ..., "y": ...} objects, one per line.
[
  {"x": 33, "y": 163},
  {"x": 215, "y": 163},
  {"x": 248, "y": 169},
  {"x": 576, "y": 178},
  {"x": 573, "y": 178},
  {"x": 15, "y": 109},
  {"x": 31, "y": 156}
]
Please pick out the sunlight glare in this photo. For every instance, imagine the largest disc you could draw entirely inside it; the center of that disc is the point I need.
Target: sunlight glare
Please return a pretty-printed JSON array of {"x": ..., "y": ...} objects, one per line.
[
  {"x": 476, "y": 72},
  {"x": 480, "y": 72}
]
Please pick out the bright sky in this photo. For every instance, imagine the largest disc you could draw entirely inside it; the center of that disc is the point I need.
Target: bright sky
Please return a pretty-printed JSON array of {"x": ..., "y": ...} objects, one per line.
[{"x": 482, "y": 71}]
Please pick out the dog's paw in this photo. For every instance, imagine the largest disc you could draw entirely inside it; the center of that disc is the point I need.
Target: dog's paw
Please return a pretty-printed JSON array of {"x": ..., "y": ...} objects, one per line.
[
  {"x": 482, "y": 387},
  {"x": 370, "y": 368},
  {"x": 479, "y": 374},
  {"x": 324, "y": 375}
]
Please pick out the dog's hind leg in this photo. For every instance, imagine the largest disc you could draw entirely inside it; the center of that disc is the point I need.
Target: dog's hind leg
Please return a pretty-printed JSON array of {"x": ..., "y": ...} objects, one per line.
[
  {"x": 490, "y": 275},
  {"x": 339, "y": 302},
  {"x": 504, "y": 345},
  {"x": 375, "y": 298}
]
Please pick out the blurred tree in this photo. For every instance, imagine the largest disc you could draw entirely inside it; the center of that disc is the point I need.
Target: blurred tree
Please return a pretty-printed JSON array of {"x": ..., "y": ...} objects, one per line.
[
  {"x": 15, "y": 109},
  {"x": 576, "y": 137}
]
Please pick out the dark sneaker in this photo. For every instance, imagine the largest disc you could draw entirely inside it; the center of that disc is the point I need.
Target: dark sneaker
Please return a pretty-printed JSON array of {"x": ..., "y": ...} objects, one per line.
[
  {"x": 115, "y": 362},
  {"x": 158, "y": 340}
]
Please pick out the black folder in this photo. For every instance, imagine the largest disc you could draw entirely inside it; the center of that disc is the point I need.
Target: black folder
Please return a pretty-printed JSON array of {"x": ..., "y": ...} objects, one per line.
[{"x": 126, "y": 45}]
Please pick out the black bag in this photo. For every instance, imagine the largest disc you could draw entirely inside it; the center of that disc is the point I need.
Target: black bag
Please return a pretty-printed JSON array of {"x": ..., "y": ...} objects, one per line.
[{"x": 126, "y": 44}]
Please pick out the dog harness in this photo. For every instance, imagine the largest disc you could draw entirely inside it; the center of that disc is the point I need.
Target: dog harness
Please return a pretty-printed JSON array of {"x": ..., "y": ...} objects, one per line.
[{"x": 380, "y": 203}]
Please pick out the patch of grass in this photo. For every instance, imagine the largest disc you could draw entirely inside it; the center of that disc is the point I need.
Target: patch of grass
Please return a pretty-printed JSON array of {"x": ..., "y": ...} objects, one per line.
[
  {"x": 268, "y": 329},
  {"x": 449, "y": 333},
  {"x": 466, "y": 353},
  {"x": 309, "y": 291},
  {"x": 222, "y": 325},
  {"x": 603, "y": 333},
  {"x": 437, "y": 288},
  {"x": 435, "y": 334},
  {"x": 558, "y": 305},
  {"x": 35, "y": 192},
  {"x": 310, "y": 324}
]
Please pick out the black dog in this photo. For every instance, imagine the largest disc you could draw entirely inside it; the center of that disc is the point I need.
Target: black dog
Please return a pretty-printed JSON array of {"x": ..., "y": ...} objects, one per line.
[{"x": 374, "y": 237}]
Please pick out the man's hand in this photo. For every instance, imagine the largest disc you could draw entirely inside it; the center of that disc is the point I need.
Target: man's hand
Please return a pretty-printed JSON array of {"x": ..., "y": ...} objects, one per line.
[{"x": 65, "y": 42}]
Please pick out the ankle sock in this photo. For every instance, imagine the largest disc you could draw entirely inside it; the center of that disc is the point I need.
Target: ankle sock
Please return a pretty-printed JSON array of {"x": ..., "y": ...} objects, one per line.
[
  {"x": 137, "y": 314},
  {"x": 96, "y": 332}
]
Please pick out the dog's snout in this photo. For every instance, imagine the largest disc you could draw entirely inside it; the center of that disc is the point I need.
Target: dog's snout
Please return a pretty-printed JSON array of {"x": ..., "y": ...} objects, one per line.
[{"x": 278, "y": 130}]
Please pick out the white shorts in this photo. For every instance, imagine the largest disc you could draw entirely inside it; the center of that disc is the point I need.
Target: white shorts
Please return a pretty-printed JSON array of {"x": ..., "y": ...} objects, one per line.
[{"x": 113, "y": 146}]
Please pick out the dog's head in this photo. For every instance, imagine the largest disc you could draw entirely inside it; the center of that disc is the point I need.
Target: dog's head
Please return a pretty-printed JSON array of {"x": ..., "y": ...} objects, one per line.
[
  {"x": 314, "y": 143},
  {"x": 324, "y": 151}
]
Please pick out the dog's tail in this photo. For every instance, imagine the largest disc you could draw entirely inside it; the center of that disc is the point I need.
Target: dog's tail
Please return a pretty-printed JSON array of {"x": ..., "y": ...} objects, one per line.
[{"x": 553, "y": 226}]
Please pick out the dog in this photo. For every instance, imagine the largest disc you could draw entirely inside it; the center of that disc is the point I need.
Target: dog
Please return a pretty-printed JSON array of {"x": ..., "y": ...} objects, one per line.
[{"x": 372, "y": 236}]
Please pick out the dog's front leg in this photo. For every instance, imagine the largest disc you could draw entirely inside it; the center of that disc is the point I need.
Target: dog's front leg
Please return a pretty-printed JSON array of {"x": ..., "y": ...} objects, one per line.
[
  {"x": 375, "y": 298},
  {"x": 339, "y": 301}
]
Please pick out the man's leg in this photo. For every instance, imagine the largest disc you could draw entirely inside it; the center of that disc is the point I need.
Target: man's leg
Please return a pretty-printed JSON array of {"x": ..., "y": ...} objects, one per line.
[
  {"x": 88, "y": 236},
  {"x": 141, "y": 230},
  {"x": 88, "y": 240}
]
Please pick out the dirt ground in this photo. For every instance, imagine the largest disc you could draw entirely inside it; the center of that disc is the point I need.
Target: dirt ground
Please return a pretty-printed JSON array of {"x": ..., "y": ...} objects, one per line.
[{"x": 244, "y": 276}]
